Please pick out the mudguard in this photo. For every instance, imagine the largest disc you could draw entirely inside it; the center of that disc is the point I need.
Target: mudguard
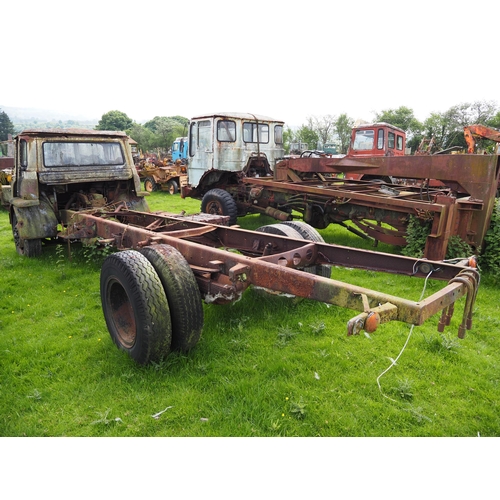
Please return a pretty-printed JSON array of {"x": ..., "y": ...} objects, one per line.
[{"x": 38, "y": 221}]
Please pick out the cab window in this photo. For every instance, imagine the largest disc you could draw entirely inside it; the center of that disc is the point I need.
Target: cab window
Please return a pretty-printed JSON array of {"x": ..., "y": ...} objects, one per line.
[
  {"x": 399, "y": 142},
  {"x": 278, "y": 134},
  {"x": 391, "y": 139},
  {"x": 255, "y": 132},
  {"x": 23, "y": 152},
  {"x": 363, "y": 140},
  {"x": 380, "y": 138},
  {"x": 199, "y": 136},
  {"x": 226, "y": 131}
]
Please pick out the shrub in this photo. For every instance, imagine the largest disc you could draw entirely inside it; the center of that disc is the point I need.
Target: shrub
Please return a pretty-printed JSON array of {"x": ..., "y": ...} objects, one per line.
[
  {"x": 417, "y": 233},
  {"x": 490, "y": 257}
]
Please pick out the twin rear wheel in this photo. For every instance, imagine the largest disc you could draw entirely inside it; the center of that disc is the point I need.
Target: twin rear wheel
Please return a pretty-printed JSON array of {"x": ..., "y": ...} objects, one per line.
[
  {"x": 151, "y": 302},
  {"x": 151, "y": 299}
]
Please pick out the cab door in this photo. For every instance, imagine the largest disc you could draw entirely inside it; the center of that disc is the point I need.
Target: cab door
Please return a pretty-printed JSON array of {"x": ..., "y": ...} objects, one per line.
[
  {"x": 201, "y": 149},
  {"x": 20, "y": 166}
]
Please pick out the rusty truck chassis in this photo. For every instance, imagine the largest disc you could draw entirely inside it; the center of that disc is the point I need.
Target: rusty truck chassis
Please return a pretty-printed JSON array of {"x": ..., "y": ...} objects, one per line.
[
  {"x": 226, "y": 260},
  {"x": 454, "y": 193}
]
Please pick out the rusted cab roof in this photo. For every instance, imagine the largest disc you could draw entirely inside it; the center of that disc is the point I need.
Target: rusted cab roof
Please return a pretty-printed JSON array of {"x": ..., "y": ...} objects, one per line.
[
  {"x": 52, "y": 132},
  {"x": 241, "y": 116},
  {"x": 378, "y": 124}
]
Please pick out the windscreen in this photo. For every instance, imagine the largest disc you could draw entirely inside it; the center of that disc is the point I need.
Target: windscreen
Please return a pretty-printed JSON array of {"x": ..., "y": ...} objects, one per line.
[
  {"x": 363, "y": 140},
  {"x": 75, "y": 154}
]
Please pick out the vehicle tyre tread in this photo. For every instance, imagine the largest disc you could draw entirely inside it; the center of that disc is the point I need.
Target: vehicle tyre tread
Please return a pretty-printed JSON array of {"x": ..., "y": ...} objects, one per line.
[
  {"x": 183, "y": 294},
  {"x": 227, "y": 205},
  {"x": 130, "y": 273}
]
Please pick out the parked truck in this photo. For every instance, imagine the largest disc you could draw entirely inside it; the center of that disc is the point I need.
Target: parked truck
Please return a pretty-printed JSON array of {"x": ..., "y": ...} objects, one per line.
[
  {"x": 180, "y": 149},
  {"x": 374, "y": 191},
  {"x": 82, "y": 186}
]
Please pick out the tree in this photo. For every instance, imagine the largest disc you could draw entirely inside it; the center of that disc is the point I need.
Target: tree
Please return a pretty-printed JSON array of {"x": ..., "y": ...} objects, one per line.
[
  {"x": 447, "y": 129},
  {"x": 323, "y": 126},
  {"x": 308, "y": 135},
  {"x": 166, "y": 129},
  {"x": 288, "y": 138},
  {"x": 6, "y": 126},
  {"x": 494, "y": 121},
  {"x": 437, "y": 130},
  {"x": 343, "y": 128},
  {"x": 114, "y": 120},
  {"x": 401, "y": 117},
  {"x": 470, "y": 113},
  {"x": 144, "y": 137},
  {"x": 181, "y": 119}
]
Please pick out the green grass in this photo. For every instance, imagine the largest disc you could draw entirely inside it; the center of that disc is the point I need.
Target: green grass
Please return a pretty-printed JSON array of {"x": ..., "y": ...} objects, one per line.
[{"x": 265, "y": 366}]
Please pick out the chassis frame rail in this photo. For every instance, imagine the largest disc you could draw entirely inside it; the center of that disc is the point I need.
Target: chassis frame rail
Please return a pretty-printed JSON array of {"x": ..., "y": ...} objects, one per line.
[{"x": 226, "y": 260}]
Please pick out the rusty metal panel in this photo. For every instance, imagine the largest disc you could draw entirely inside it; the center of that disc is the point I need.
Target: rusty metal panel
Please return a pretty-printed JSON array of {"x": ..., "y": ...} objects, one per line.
[
  {"x": 475, "y": 175},
  {"x": 455, "y": 192}
]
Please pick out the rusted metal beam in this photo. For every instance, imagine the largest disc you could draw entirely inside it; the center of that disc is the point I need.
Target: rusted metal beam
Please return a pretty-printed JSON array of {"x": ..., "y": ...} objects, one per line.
[{"x": 223, "y": 275}]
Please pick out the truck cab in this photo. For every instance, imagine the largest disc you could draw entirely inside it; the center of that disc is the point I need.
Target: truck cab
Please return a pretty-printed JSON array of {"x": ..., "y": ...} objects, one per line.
[
  {"x": 67, "y": 169},
  {"x": 222, "y": 144},
  {"x": 377, "y": 139},
  {"x": 180, "y": 149}
]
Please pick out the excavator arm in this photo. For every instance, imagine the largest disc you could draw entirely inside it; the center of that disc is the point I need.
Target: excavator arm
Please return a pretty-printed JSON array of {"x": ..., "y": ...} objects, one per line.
[{"x": 479, "y": 131}]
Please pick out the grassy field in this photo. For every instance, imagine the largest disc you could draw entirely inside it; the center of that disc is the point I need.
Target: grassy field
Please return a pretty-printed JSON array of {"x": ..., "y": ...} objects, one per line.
[{"x": 265, "y": 366}]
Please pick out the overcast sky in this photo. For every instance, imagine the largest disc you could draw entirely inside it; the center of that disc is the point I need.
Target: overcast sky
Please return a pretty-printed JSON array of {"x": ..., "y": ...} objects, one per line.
[{"x": 287, "y": 60}]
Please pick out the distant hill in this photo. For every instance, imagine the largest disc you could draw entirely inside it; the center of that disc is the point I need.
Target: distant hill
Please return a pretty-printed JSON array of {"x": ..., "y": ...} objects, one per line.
[
  {"x": 41, "y": 114},
  {"x": 23, "y": 118}
]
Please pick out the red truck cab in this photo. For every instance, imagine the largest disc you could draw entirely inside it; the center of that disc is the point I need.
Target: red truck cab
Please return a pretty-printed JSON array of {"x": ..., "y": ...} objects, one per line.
[{"x": 377, "y": 139}]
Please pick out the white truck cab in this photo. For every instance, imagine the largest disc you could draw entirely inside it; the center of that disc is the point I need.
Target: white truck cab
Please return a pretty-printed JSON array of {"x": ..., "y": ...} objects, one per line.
[{"x": 235, "y": 142}]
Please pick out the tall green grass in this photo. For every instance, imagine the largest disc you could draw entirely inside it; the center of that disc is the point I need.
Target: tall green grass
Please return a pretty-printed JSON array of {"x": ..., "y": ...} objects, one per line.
[{"x": 265, "y": 365}]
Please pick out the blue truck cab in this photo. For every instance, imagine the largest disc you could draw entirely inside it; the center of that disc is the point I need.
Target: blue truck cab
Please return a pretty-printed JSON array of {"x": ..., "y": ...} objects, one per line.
[{"x": 180, "y": 149}]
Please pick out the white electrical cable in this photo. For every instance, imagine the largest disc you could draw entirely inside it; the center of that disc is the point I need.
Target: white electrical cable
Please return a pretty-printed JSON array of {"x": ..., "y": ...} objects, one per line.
[{"x": 394, "y": 361}]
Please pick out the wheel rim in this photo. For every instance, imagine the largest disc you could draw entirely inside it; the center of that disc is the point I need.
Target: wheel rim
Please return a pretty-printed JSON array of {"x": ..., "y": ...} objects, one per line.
[
  {"x": 122, "y": 313},
  {"x": 214, "y": 208},
  {"x": 171, "y": 189},
  {"x": 148, "y": 186}
]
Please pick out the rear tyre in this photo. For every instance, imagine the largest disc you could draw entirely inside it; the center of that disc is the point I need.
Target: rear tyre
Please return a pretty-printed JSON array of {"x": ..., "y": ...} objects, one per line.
[
  {"x": 220, "y": 202},
  {"x": 299, "y": 230},
  {"x": 33, "y": 248},
  {"x": 183, "y": 294},
  {"x": 150, "y": 184},
  {"x": 28, "y": 248},
  {"x": 135, "y": 307},
  {"x": 172, "y": 187},
  {"x": 379, "y": 180},
  {"x": 281, "y": 230}
]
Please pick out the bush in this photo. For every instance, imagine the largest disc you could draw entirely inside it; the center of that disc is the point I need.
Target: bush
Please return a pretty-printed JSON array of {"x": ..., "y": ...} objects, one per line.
[
  {"x": 490, "y": 257},
  {"x": 417, "y": 233}
]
